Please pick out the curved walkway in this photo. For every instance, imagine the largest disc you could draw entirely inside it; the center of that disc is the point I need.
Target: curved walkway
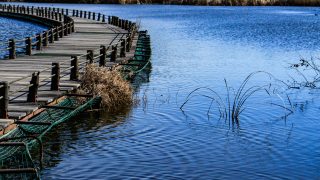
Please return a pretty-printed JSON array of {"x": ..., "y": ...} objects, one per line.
[{"x": 92, "y": 42}]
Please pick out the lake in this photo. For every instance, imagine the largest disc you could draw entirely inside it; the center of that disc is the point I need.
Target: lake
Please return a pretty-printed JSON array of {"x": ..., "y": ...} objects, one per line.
[{"x": 201, "y": 47}]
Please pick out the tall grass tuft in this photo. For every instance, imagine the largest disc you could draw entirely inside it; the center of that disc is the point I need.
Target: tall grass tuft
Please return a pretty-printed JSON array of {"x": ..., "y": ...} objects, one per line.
[
  {"x": 234, "y": 103},
  {"x": 109, "y": 85}
]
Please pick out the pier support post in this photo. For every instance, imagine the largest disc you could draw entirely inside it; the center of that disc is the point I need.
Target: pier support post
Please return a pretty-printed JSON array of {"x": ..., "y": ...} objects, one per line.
[
  {"x": 74, "y": 75},
  {"x": 28, "y": 46},
  {"x": 4, "y": 99},
  {"x": 102, "y": 61},
  {"x": 55, "y": 78},
  {"x": 12, "y": 49},
  {"x": 90, "y": 56},
  {"x": 33, "y": 90}
]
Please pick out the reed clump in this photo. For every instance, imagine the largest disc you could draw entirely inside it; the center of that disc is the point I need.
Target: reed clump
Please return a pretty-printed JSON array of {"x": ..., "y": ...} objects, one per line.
[{"x": 109, "y": 85}]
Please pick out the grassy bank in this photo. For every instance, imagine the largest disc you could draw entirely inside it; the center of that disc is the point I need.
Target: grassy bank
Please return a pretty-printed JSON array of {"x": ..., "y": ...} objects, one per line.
[{"x": 191, "y": 2}]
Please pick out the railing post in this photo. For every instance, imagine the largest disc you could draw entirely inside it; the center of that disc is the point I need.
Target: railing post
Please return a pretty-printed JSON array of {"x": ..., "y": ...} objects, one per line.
[
  {"x": 94, "y": 16},
  {"x": 74, "y": 75},
  {"x": 109, "y": 19},
  {"x": 89, "y": 15},
  {"x": 4, "y": 101},
  {"x": 81, "y": 14},
  {"x": 55, "y": 76},
  {"x": 123, "y": 48},
  {"x": 65, "y": 29},
  {"x": 72, "y": 27},
  {"x": 60, "y": 17},
  {"x": 33, "y": 90},
  {"x": 28, "y": 46},
  {"x": 67, "y": 12},
  {"x": 128, "y": 43},
  {"x": 56, "y": 34},
  {"x": 51, "y": 36},
  {"x": 99, "y": 16},
  {"x": 113, "y": 56},
  {"x": 61, "y": 31},
  {"x": 90, "y": 56},
  {"x": 77, "y": 15},
  {"x": 73, "y": 12},
  {"x": 69, "y": 27},
  {"x": 45, "y": 38},
  {"x": 12, "y": 49},
  {"x": 103, "y": 18},
  {"x": 102, "y": 61},
  {"x": 85, "y": 14},
  {"x": 39, "y": 42}
]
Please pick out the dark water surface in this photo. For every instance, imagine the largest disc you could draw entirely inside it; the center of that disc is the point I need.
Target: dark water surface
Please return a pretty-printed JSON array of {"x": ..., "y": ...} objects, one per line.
[
  {"x": 16, "y": 29},
  {"x": 199, "y": 47}
]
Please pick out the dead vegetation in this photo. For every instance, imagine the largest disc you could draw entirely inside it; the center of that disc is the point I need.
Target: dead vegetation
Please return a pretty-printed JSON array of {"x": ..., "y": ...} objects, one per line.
[{"x": 109, "y": 85}]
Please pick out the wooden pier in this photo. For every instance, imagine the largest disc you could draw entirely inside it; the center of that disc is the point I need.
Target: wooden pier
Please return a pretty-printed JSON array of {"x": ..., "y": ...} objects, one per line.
[{"x": 40, "y": 69}]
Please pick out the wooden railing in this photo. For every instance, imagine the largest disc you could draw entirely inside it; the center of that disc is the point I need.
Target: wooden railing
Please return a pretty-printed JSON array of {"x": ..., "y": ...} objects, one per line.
[{"x": 111, "y": 51}]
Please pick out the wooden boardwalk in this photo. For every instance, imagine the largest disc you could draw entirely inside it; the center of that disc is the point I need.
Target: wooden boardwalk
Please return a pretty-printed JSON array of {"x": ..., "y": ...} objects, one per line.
[{"x": 88, "y": 35}]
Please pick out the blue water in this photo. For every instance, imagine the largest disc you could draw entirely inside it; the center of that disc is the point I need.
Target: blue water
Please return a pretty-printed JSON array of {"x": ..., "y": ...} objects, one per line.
[
  {"x": 16, "y": 29},
  {"x": 200, "y": 47}
]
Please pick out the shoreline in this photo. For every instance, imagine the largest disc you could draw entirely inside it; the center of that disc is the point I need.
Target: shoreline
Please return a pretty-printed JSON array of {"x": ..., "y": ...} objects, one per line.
[{"x": 306, "y": 3}]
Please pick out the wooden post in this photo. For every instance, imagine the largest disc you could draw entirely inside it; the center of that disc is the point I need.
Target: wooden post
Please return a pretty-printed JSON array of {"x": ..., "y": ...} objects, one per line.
[
  {"x": 55, "y": 78},
  {"x": 51, "y": 36},
  {"x": 81, "y": 14},
  {"x": 56, "y": 34},
  {"x": 67, "y": 12},
  {"x": 12, "y": 49},
  {"x": 85, "y": 14},
  {"x": 94, "y": 16},
  {"x": 123, "y": 48},
  {"x": 45, "y": 38},
  {"x": 39, "y": 42},
  {"x": 127, "y": 25},
  {"x": 60, "y": 17},
  {"x": 113, "y": 57},
  {"x": 32, "y": 9},
  {"x": 46, "y": 12},
  {"x": 109, "y": 19},
  {"x": 89, "y": 15},
  {"x": 103, "y": 18},
  {"x": 65, "y": 30},
  {"x": 28, "y": 46},
  {"x": 77, "y": 13},
  {"x": 4, "y": 100},
  {"x": 56, "y": 16},
  {"x": 102, "y": 61},
  {"x": 33, "y": 90},
  {"x": 61, "y": 31},
  {"x": 74, "y": 75},
  {"x": 72, "y": 26},
  {"x": 90, "y": 56},
  {"x": 69, "y": 28},
  {"x": 99, "y": 16},
  {"x": 73, "y": 12},
  {"x": 128, "y": 43}
]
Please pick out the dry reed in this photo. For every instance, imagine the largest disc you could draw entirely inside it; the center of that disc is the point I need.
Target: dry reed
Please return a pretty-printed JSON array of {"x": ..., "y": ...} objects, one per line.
[{"x": 109, "y": 85}]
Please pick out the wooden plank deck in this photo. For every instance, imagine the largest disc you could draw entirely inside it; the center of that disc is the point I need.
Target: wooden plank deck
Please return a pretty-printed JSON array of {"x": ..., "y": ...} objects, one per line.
[{"x": 88, "y": 35}]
